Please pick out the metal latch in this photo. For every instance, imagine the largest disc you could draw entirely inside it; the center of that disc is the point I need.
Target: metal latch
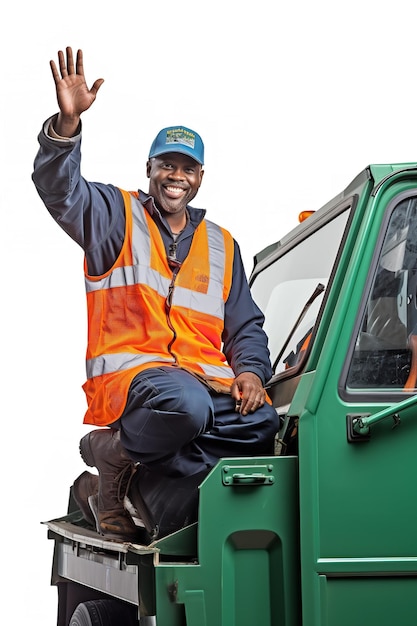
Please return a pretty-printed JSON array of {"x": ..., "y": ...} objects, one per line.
[{"x": 238, "y": 475}]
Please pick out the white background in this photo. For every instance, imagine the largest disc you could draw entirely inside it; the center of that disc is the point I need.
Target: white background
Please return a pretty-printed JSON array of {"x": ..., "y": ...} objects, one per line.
[{"x": 292, "y": 99}]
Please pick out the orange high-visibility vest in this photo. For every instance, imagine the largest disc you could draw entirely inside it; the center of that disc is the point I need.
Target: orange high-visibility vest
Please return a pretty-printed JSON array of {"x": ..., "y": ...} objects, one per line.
[{"x": 141, "y": 316}]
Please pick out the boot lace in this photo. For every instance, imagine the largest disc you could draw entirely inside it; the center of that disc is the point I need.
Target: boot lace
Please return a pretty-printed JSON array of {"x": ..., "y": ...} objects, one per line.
[{"x": 123, "y": 480}]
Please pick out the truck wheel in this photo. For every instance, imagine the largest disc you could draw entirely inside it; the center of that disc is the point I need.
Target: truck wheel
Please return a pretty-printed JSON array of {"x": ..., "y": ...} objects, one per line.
[{"x": 103, "y": 613}]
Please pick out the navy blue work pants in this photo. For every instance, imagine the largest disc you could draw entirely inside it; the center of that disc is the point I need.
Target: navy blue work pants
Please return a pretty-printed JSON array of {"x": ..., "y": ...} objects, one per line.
[{"x": 174, "y": 423}]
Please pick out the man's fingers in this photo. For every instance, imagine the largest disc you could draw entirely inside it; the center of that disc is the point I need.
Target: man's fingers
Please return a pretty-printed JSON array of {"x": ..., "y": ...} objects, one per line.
[
  {"x": 96, "y": 86},
  {"x": 80, "y": 62},
  {"x": 54, "y": 71},
  {"x": 70, "y": 61},
  {"x": 250, "y": 405},
  {"x": 62, "y": 64},
  {"x": 66, "y": 65}
]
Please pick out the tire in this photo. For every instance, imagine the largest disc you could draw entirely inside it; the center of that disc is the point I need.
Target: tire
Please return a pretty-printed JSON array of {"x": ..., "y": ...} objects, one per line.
[{"x": 104, "y": 613}]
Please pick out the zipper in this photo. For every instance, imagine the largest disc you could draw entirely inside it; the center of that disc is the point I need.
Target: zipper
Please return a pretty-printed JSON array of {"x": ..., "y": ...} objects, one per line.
[{"x": 168, "y": 304}]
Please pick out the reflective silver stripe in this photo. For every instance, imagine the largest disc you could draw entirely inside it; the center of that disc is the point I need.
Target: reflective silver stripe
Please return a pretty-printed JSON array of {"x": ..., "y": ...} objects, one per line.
[
  {"x": 217, "y": 371},
  {"x": 188, "y": 298},
  {"x": 109, "y": 363},
  {"x": 140, "y": 234},
  {"x": 123, "y": 276},
  {"x": 217, "y": 256},
  {"x": 201, "y": 302}
]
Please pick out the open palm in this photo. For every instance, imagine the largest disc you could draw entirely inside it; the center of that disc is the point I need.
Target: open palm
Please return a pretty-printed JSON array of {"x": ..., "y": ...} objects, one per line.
[{"x": 73, "y": 94}]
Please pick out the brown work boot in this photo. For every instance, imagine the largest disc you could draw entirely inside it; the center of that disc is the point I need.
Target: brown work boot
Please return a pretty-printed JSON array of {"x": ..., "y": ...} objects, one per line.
[
  {"x": 85, "y": 486},
  {"x": 102, "y": 449}
]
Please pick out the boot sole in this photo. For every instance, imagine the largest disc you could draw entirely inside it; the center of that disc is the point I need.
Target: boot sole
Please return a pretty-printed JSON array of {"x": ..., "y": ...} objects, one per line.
[
  {"x": 86, "y": 451},
  {"x": 86, "y": 511}
]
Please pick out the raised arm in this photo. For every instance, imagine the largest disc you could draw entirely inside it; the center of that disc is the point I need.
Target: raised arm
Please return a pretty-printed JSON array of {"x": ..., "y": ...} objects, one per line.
[{"x": 73, "y": 95}]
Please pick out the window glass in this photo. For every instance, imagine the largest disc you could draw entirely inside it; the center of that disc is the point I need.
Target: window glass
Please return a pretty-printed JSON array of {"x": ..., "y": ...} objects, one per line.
[
  {"x": 382, "y": 357},
  {"x": 291, "y": 290}
]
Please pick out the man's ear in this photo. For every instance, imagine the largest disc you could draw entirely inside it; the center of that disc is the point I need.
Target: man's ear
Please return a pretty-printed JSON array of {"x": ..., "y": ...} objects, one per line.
[{"x": 148, "y": 168}]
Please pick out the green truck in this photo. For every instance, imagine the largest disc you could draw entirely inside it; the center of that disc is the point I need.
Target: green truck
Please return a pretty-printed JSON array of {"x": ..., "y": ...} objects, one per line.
[{"x": 323, "y": 533}]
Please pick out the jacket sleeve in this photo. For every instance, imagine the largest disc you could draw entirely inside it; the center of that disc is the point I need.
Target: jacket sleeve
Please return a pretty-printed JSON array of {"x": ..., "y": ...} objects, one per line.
[
  {"x": 245, "y": 341},
  {"x": 91, "y": 213}
]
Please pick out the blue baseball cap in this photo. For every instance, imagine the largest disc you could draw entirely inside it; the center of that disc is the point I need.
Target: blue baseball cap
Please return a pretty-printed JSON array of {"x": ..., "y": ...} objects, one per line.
[{"x": 178, "y": 139}]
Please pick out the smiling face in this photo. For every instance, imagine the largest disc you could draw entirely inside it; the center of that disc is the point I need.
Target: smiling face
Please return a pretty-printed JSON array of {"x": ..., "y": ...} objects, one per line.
[{"x": 174, "y": 180}]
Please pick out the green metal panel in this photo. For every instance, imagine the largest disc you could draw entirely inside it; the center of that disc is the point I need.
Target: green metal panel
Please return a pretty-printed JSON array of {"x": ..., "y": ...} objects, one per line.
[
  {"x": 369, "y": 602},
  {"x": 247, "y": 570}
]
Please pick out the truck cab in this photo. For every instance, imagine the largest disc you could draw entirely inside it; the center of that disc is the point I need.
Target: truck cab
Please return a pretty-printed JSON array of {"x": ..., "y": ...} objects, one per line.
[{"x": 323, "y": 533}]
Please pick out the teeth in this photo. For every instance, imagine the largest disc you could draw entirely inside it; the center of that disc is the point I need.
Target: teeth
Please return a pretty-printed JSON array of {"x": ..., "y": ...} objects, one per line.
[{"x": 174, "y": 189}]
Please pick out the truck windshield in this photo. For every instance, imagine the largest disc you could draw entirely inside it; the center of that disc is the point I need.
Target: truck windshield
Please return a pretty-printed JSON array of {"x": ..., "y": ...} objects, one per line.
[
  {"x": 288, "y": 294},
  {"x": 385, "y": 354}
]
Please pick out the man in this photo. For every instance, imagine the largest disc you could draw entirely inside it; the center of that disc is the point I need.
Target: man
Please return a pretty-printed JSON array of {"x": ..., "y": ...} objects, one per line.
[{"x": 177, "y": 358}]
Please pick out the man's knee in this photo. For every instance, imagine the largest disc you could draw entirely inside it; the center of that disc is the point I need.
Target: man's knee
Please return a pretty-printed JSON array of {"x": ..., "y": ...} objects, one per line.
[{"x": 171, "y": 390}]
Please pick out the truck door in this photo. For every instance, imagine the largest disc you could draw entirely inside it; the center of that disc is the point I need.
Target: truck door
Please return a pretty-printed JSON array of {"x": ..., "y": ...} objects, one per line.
[{"x": 358, "y": 504}]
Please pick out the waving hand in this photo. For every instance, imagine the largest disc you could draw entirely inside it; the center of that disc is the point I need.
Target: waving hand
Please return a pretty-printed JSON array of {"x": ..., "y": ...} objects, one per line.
[{"x": 73, "y": 95}]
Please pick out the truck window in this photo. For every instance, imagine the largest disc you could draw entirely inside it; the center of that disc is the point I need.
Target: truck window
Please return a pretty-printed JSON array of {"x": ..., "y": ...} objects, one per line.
[
  {"x": 290, "y": 291},
  {"x": 382, "y": 357}
]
